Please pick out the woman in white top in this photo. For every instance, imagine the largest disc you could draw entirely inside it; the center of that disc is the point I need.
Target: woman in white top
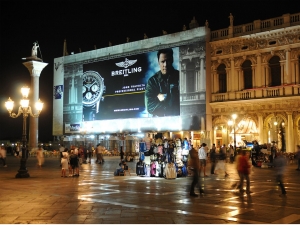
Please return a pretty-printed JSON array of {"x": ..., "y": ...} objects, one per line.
[
  {"x": 64, "y": 162},
  {"x": 40, "y": 156}
]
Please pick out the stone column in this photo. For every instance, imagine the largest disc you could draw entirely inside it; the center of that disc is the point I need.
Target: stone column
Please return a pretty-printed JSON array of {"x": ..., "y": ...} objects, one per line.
[
  {"x": 290, "y": 135},
  {"x": 296, "y": 137},
  {"x": 265, "y": 75},
  {"x": 230, "y": 81},
  {"x": 265, "y": 134},
  {"x": 258, "y": 82},
  {"x": 296, "y": 72},
  {"x": 241, "y": 79},
  {"x": 288, "y": 74},
  {"x": 236, "y": 84},
  {"x": 201, "y": 77},
  {"x": 253, "y": 69},
  {"x": 261, "y": 128},
  {"x": 228, "y": 86},
  {"x": 282, "y": 67},
  {"x": 35, "y": 68}
]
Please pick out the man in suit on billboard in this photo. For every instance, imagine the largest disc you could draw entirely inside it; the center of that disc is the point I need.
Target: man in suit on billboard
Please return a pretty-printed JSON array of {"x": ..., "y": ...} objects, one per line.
[{"x": 162, "y": 90}]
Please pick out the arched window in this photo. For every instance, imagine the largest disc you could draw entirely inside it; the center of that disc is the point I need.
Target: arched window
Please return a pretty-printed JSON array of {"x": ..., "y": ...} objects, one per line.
[
  {"x": 190, "y": 77},
  {"x": 222, "y": 78},
  {"x": 275, "y": 71},
  {"x": 247, "y": 71}
]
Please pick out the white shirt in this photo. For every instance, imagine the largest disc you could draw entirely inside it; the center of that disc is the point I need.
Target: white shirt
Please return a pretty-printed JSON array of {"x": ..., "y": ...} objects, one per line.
[{"x": 202, "y": 153}]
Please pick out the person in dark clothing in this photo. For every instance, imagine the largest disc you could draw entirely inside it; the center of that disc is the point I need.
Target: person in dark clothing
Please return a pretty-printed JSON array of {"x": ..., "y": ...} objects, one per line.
[
  {"x": 194, "y": 165},
  {"x": 213, "y": 157},
  {"x": 280, "y": 166},
  {"x": 162, "y": 90},
  {"x": 74, "y": 163},
  {"x": 122, "y": 154}
]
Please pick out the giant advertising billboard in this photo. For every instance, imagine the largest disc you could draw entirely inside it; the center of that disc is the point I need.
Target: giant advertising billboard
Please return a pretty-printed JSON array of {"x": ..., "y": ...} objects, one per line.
[
  {"x": 154, "y": 85},
  {"x": 130, "y": 87}
]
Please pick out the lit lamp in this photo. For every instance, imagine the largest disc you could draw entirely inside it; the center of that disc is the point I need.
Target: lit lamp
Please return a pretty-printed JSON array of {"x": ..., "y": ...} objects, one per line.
[{"x": 24, "y": 109}]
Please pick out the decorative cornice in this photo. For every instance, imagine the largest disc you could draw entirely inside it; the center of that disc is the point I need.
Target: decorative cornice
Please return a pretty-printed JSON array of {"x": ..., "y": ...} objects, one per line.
[{"x": 275, "y": 38}]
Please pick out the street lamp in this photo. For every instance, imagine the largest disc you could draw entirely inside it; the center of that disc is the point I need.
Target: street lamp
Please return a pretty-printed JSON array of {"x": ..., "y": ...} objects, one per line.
[
  {"x": 233, "y": 116},
  {"x": 24, "y": 109}
]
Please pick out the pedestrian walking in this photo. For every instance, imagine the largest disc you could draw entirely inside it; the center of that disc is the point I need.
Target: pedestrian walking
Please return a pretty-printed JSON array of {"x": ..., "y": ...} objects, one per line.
[
  {"x": 40, "y": 156},
  {"x": 202, "y": 154},
  {"x": 194, "y": 166},
  {"x": 221, "y": 161},
  {"x": 231, "y": 154},
  {"x": 237, "y": 166},
  {"x": 213, "y": 158},
  {"x": 244, "y": 171},
  {"x": 121, "y": 154},
  {"x": 89, "y": 153},
  {"x": 280, "y": 165},
  {"x": 3, "y": 155}
]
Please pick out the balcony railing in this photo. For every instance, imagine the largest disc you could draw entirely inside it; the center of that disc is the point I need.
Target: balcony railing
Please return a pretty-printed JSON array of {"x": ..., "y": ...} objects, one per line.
[
  {"x": 258, "y": 93},
  {"x": 256, "y": 26}
]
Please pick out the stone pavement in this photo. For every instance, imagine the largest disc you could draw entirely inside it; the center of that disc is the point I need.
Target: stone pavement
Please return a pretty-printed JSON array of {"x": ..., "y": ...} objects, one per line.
[{"x": 96, "y": 196}]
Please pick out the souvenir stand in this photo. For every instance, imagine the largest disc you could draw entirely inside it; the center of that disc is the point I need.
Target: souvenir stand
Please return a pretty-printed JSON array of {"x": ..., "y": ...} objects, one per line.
[{"x": 165, "y": 158}]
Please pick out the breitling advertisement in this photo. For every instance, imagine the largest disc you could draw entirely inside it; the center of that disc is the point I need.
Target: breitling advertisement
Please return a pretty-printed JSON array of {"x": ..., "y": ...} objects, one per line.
[
  {"x": 158, "y": 90},
  {"x": 130, "y": 87}
]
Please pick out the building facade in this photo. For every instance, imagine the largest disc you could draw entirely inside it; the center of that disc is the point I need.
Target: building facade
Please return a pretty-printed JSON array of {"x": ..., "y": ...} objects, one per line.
[
  {"x": 255, "y": 75},
  {"x": 237, "y": 85}
]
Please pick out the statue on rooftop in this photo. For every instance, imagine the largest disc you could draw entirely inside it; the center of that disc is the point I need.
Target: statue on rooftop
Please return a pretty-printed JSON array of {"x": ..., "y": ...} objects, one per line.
[
  {"x": 145, "y": 36},
  {"x": 193, "y": 23},
  {"x": 206, "y": 24},
  {"x": 127, "y": 39},
  {"x": 231, "y": 19},
  {"x": 184, "y": 27},
  {"x": 34, "y": 49},
  {"x": 164, "y": 32}
]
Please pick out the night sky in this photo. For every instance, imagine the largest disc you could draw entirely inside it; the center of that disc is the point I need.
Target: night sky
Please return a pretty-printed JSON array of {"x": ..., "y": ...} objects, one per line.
[{"x": 87, "y": 23}]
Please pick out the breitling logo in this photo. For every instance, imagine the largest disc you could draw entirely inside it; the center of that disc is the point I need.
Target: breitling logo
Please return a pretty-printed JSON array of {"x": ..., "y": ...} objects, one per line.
[
  {"x": 125, "y": 72},
  {"x": 126, "y": 63}
]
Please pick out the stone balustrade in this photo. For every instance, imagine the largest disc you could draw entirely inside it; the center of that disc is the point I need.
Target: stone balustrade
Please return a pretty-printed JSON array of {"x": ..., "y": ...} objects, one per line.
[
  {"x": 256, "y": 26},
  {"x": 268, "y": 92}
]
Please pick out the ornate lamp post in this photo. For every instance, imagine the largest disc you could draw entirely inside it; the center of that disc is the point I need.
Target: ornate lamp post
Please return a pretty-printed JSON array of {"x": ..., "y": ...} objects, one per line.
[{"x": 24, "y": 109}]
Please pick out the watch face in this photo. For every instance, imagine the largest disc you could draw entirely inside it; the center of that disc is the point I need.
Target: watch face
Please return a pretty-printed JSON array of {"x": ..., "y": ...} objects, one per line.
[{"x": 92, "y": 89}]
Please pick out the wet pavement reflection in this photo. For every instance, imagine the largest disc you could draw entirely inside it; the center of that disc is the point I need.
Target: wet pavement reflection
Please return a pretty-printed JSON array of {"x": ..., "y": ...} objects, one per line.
[{"x": 97, "y": 196}]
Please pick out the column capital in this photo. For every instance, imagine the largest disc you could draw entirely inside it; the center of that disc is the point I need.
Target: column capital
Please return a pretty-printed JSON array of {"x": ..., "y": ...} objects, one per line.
[{"x": 287, "y": 50}]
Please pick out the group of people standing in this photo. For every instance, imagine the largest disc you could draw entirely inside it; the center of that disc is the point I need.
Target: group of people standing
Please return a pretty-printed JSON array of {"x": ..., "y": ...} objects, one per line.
[{"x": 70, "y": 160}]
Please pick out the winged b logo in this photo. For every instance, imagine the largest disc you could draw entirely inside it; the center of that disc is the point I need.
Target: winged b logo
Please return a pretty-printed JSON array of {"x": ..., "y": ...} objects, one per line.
[{"x": 126, "y": 63}]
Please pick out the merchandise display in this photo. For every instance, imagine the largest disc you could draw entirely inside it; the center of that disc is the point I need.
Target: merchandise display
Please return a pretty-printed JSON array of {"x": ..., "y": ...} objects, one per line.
[{"x": 163, "y": 158}]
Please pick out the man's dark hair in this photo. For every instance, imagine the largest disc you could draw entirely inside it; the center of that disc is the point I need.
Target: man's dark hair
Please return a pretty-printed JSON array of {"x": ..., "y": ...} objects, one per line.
[{"x": 167, "y": 51}]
